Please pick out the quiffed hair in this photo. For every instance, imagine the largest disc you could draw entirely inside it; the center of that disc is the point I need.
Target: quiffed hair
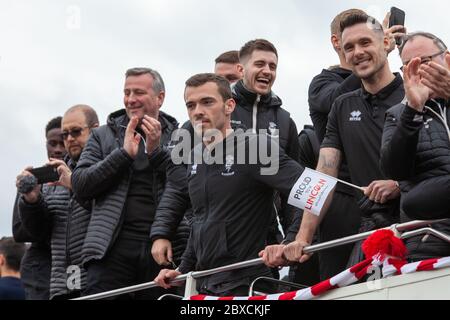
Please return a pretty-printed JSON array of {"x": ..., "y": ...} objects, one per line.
[
  {"x": 258, "y": 44},
  {"x": 358, "y": 18},
  {"x": 336, "y": 23},
  {"x": 203, "y": 78}
]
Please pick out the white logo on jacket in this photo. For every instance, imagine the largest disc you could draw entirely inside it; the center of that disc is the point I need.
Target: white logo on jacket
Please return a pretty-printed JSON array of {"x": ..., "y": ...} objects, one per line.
[
  {"x": 229, "y": 162},
  {"x": 273, "y": 129},
  {"x": 194, "y": 170},
  {"x": 355, "y": 116}
]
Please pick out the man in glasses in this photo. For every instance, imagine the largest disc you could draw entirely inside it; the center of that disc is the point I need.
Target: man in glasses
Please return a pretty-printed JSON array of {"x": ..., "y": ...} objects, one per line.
[
  {"x": 416, "y": 138},
  {"x": 54, "y": 213},
  {"x": 122, "y": 168},
  {"x": 35, "y": 266}
]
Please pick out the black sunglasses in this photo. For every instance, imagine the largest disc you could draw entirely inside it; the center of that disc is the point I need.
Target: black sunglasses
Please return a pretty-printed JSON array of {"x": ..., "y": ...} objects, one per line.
[{"x": 75, "y": 133}]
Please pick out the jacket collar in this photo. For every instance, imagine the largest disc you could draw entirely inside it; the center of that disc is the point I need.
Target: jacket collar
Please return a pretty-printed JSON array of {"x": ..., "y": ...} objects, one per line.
[
  {"x": 119, "y": 119},
  {"x": 247, "y": 98},
  {"x": 384, "y": 93}
]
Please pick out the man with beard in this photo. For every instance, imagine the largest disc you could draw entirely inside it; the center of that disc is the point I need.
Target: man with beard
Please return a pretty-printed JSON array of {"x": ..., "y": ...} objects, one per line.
[
  {"x": 231, "y": 194},
  {"x": 57, "y": 213}
]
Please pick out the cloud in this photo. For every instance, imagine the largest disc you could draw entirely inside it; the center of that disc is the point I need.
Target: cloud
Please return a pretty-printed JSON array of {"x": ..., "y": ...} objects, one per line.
[{"x": 57, "y": 54}]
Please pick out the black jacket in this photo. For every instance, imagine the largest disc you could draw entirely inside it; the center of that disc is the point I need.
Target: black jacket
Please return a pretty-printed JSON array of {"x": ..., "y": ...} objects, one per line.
[
  {"x": 103, "y": 174},
  {"x": 232, "y": 211},
  {"x": 268, "y": 114},
  {"x": 35, "y": 266},
  {"x": 58, "y": 215},
  {"x": 257, "y": 112},
  {"x": 323, "y": 91},
  {"x": 416, "y": 147}
]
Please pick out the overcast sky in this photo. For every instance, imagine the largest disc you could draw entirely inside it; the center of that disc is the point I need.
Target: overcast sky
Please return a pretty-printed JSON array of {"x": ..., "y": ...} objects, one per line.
[{"x": 55, "y": 54}]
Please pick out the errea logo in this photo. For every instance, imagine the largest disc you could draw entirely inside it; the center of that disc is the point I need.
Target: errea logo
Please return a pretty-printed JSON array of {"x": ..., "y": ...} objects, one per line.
[{"x": 355, "y": 116}]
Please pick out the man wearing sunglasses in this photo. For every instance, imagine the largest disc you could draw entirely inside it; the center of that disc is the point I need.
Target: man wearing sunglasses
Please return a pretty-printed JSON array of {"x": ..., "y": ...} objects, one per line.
[
  {"x": 55, "y": 213},
  {"x": 416, "y": 138}
]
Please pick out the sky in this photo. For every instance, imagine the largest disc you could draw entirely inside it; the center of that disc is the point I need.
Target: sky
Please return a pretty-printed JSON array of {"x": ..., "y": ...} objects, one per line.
[{"x": 55, "y": 54}]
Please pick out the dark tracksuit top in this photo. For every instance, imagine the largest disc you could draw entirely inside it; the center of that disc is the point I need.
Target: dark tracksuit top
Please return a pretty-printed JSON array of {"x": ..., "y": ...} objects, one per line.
[
  {"x": 232, "y": 210},
  {"x": 253, "y": 112}
]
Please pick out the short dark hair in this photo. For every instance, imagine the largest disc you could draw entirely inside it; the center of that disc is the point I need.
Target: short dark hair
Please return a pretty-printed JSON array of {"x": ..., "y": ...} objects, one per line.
[
  {"x": 336, "y": 23},
  {"x": 410, "y": 36},
  {"x": 158, "y": 82},
  {"x": 89, "y": 113},
  {"x": 253, "y": 45},
  {"x": 358, "y": 18},
  {"x": 55, "y": 123},
  {"x": 231, "y": 57},
  {"x": 222, "y": 83},
  {"x": 13, "y": 252}
]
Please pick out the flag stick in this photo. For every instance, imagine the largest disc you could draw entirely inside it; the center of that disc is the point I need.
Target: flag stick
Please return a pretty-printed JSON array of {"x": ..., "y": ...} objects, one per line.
[{"x": 341, "y": 181}]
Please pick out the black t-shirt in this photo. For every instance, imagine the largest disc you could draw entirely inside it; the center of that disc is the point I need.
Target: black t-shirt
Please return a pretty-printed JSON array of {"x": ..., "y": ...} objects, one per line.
[
  {"x": 355, "y": 127},
  {"x": 140, "y": 204}
]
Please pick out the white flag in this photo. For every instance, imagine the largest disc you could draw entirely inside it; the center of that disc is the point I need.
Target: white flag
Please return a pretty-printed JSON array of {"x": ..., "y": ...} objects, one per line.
[{"x": 311, "y": 191}]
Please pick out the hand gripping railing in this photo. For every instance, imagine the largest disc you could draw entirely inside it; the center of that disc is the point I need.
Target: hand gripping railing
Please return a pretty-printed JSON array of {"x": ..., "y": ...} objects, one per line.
[{"x": 404, "y": 231}]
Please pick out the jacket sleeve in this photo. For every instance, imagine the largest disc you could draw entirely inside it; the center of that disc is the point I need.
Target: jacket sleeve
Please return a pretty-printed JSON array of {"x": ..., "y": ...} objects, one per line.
[
  {"x": 188, "y": 260},
  {"x": 35, "y": 219},
  {"x": 284, "y": 172},
  {"x": 94, "y": 174},
  {"x": 173, "y": 205},
  {"x": 399, "y": 143},
  {"x": 19, "y": 232},
  {"x": 323, "y": 91},
  {"x": 294, "y": 227}
]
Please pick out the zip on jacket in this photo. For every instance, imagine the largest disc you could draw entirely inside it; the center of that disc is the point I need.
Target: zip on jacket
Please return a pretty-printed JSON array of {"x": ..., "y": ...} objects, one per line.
[{"x": 255, "y": 113}]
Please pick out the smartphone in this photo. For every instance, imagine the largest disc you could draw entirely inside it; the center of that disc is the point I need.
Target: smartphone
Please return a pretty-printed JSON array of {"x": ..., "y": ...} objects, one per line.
[
  {"x": 45, "y": 174},
  {"x": 397, "y": 17}
]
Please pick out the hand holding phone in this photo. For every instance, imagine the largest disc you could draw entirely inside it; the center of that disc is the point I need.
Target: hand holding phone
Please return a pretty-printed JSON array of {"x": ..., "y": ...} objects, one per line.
[
  {"x": 45, "y": 174},
  {"x": 397, "y": 18}
]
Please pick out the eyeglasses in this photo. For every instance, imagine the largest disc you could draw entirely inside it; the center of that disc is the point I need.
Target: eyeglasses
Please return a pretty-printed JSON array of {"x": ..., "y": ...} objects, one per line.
[
  {"x": 74, "y": 133},
  {"x": 423, "y": 59}
]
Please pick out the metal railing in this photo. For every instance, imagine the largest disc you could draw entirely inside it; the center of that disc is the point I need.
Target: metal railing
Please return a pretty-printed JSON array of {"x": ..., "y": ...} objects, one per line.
[{"x": 404, "y": 231}]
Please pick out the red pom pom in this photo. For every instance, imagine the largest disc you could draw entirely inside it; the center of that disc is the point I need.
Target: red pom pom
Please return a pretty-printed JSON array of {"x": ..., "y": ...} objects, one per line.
[{"x": 384, "y": 242}]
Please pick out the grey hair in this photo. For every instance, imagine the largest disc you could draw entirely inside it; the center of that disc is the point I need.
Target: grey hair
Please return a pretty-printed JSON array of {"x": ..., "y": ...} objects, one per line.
[
  {"x": 410, "y": 36},
  {"x": 158, "y": 82}
]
